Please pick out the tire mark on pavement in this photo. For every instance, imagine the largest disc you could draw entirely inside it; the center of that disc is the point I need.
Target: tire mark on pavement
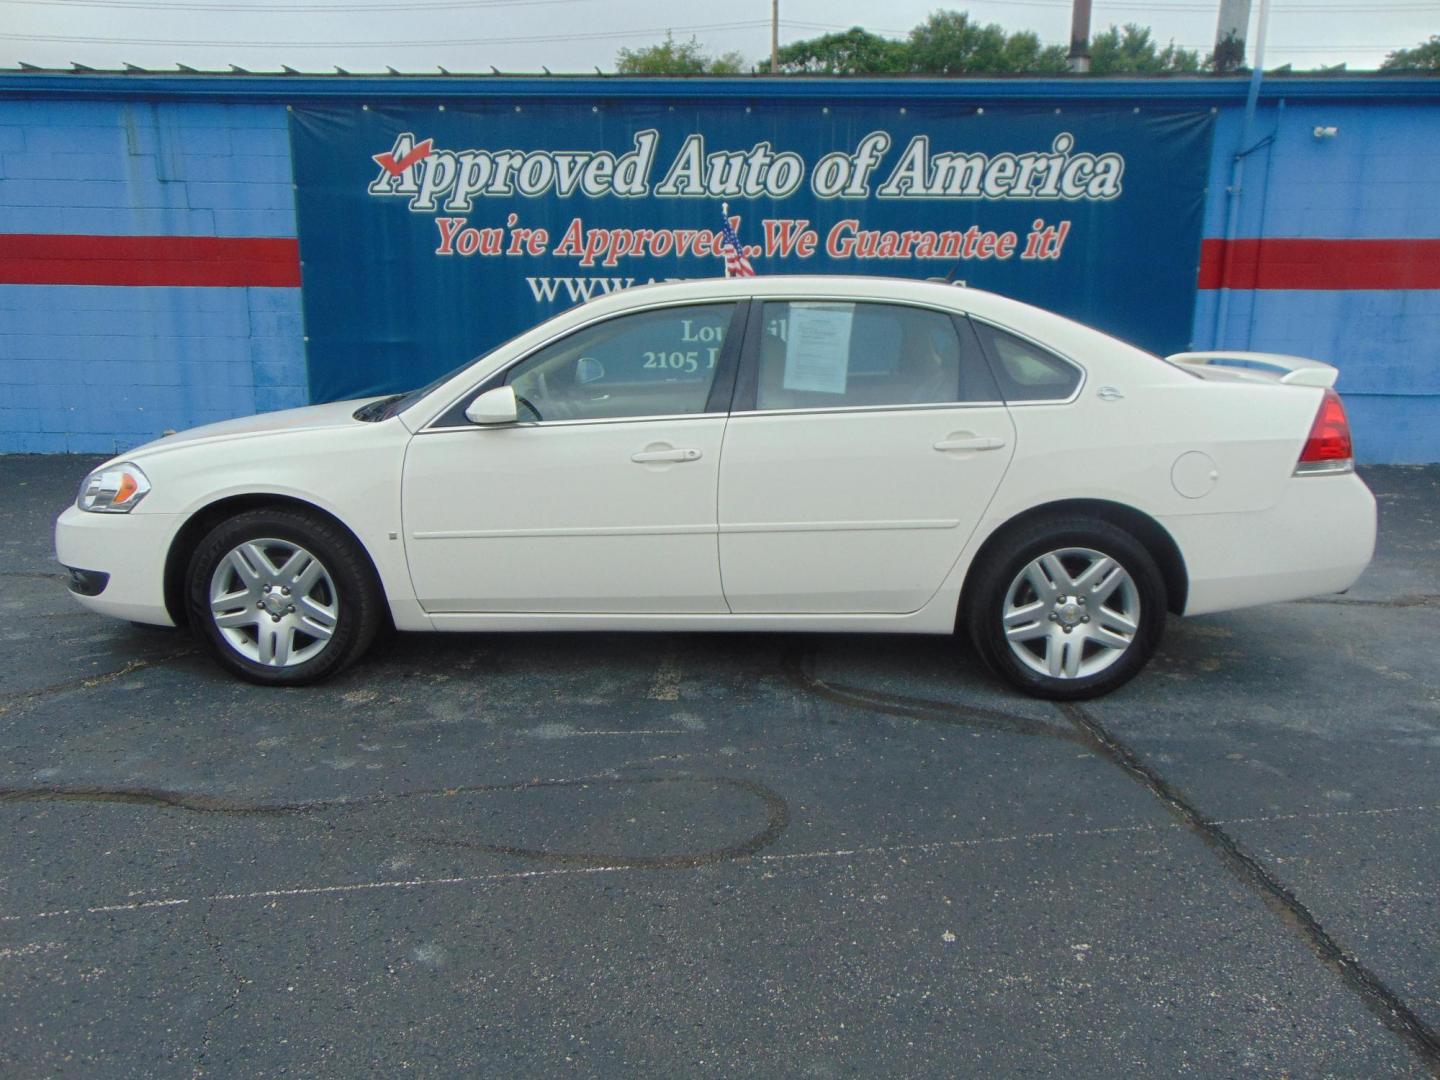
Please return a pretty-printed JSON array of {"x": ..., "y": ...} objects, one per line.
[
  {"x": 777, "y": 814},
  {"x": 799, "y": 668}
]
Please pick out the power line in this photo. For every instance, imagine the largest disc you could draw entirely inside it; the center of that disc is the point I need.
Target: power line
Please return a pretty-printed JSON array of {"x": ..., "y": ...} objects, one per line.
[
  {"x": 527, "y": 40},
  {"x": 1344, "y": 7},
  {"x": 295, "y": 9}
]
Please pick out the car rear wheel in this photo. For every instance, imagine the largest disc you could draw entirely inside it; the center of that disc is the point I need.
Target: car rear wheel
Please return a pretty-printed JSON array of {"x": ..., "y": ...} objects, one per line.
[
  {"x": 1067, "y": 609},
  {"x": 282, "y": 597}
]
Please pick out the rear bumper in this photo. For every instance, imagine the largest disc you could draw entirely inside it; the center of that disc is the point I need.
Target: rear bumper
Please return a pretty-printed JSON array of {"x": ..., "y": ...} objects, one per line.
[
  {"x": 1318, "y": 539},
  {"x": 122, "y": 560}
]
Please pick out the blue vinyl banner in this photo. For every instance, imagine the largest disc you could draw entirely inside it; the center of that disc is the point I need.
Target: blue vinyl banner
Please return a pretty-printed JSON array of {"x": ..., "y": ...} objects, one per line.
[{"x": 429, "y": 234}]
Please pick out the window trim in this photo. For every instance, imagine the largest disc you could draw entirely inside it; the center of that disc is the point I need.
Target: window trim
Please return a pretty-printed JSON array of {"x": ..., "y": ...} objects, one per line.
[
  {"x": 994, "y": 363},
  {"x": 716, "y": 401},
  {"x": 747, "y": 385}
]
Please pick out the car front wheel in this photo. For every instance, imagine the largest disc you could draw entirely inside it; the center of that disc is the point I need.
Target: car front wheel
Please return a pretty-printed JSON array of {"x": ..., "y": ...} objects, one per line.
[
  {"x": 1067, "y": 609},
  {"x": 282, "y": 597}
]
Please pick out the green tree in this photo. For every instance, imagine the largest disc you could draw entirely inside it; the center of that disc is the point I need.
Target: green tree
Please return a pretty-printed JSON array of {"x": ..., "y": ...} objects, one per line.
[
  {"x": 673, "y": 57},
  {"x": 1424, "y": 57},
  {"x": 948, "y": 43},
  {"x": 1132, "y": 51},
  {"x": 848, "y": 52}
]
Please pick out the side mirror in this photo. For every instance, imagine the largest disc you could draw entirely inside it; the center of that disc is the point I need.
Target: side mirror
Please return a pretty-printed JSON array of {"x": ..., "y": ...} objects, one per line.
[
  {"x": 495, "y": 406},
  {"x": 588, "y": 370}
]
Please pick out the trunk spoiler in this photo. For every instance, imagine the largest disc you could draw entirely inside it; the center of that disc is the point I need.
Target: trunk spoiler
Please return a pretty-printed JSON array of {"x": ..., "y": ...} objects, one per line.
[{"x": 1267, "y": 367}]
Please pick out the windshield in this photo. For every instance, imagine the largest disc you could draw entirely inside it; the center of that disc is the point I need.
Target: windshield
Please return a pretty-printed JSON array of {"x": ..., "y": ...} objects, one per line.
[{"x": 386, "y": 407}]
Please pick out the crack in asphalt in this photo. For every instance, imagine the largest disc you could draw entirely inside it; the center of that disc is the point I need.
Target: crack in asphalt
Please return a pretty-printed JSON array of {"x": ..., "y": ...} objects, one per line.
[
  {"x": 1378, "y": 998},
  {"x": 777, "y": 814},
  {"x": 1383, "y": 1002},
  {"x": 238, "y": 983},
  {"x": 1413, "y": 601},
  {"x": 89, "y": 682}
]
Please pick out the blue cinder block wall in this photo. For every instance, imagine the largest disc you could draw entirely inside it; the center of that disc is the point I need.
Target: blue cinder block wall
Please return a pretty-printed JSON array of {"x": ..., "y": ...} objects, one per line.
[
  {"x": 103, "y": 367},
  {"x": 1376, "y": 178}
]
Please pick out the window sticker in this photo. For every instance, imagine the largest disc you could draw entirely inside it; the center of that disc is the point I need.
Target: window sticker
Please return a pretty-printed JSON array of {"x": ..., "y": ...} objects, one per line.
[{"x": 817, "y": 347}]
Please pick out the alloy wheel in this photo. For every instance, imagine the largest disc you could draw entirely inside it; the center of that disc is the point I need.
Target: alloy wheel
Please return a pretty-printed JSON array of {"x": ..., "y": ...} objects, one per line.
[
  {"x": 1071, "y": 613},
  {"x": 274, "y": 602}
]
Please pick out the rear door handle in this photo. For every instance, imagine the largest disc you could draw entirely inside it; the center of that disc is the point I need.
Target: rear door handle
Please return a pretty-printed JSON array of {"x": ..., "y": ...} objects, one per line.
[
  {"x": 973, "y": 442},
  {"x": 649, "y": 457}
]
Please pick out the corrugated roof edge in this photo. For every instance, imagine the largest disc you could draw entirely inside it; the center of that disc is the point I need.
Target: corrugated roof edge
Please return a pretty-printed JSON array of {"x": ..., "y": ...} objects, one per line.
[{"x": 300, "y": 88}]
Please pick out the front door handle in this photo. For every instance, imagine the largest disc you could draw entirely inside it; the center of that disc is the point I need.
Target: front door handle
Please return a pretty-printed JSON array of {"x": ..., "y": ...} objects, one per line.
[
  {"x": 971, "y": 442},
  {"x": 649, "y": 457}
]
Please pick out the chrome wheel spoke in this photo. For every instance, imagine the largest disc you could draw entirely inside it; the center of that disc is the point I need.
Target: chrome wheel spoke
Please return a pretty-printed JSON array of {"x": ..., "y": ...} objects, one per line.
[
  {"x": 1034, "y": 575},
  {"x": 297, "y": 565},
  {"x": 1062, "y": 655},
  {"x": 1055, "y": 570},
  {"x": 317, "y": 619},
  {"x": 274, "y": 641},
  {"x": 1091, "y": 576},
  {"x": 247, "y": 572},
  {"x": 1114, "y": 620},
  {"x": 1105, "y": 588},
  {"x": 1108, "y": 638},
  {"x": 1029, "y": 632},
  {"x": 232, "y": 617}
]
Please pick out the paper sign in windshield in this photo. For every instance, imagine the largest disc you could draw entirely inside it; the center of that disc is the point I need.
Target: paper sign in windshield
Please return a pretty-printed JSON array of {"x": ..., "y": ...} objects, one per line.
[{"x": 817, "y": 347}]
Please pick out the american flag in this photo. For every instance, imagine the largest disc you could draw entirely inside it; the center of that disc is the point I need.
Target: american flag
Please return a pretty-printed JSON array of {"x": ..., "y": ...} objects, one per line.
[{"x": 736, "y": 264}]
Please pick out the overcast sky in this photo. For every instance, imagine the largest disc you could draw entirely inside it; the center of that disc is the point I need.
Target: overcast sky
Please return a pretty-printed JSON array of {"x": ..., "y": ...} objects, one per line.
[{"x": 579, "y": 35}]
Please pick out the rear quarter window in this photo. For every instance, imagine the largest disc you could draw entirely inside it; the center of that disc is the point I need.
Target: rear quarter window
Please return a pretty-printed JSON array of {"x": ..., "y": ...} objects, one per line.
[{"x": 1025, "y": 371}]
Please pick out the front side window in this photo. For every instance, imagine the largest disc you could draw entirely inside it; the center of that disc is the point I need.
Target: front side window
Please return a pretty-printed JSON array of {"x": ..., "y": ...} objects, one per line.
[
  {"x": 822, "y": 354},
  {"x": 651, "y": 363}
]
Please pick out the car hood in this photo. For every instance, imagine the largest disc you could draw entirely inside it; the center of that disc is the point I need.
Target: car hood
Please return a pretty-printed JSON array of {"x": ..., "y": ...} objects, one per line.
[{"x": 335, "y": 414}]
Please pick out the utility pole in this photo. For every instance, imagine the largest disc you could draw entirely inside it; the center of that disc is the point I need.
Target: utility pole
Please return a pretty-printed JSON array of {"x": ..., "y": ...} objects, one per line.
[
  {"x": 1079, "y": 58},
  {"x": 775, "y": 37},
  {"x": 1230, "y": 31}
]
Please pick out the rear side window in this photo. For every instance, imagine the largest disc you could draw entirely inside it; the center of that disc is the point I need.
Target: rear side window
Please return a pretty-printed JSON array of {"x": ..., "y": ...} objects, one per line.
[
  {"x": 825, "y": 355},
  {"x": 1026, "y": 371}
]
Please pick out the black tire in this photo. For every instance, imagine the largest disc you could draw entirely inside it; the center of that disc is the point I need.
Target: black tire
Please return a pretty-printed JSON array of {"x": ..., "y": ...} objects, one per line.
[
  {"x": 990, "y": 580},
  {"x": 358, "y": 600}
]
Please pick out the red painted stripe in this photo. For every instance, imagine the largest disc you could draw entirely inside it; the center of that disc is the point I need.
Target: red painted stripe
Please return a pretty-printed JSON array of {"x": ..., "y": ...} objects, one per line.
[
  {"x": 1320, "y": 264},
  {"x": 46, "y": 259}
]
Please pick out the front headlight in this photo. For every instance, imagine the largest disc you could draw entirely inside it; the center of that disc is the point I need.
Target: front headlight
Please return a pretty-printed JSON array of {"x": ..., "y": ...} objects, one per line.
[{"x": 115, "y": 489}]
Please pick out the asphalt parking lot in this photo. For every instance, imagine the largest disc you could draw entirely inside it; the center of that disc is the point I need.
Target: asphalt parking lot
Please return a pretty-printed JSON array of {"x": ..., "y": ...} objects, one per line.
[{"x": 738, "y": 855}]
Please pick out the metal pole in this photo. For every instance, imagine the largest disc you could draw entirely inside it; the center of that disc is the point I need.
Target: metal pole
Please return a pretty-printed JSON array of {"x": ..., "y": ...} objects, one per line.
[
  {"x": 1079, "y": 58},
  {"x": 1237, "y": 177},
  {"x": 774, "y": 37}
]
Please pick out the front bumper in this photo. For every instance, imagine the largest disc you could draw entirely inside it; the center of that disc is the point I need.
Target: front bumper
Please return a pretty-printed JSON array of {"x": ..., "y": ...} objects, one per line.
[
  {"x": 1318, "y": 539},
  {"x": 129, "y": 550}
]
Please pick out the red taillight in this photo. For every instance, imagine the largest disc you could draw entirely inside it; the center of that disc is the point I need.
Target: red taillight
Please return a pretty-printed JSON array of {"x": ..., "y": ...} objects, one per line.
[{"x": 1329, "y": 447}]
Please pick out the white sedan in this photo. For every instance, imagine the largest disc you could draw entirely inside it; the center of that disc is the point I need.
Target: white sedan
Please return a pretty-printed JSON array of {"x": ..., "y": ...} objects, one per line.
[{"x": 784, "y": 453}]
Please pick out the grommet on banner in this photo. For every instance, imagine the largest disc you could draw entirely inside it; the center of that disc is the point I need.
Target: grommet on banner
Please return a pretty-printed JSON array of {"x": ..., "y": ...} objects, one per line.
[
  {"x": 364, "y": 108},
  {"x": 442, "y": 108},
  {"x": 902, "y": 110},
  {"x": 517, "y": 108},
  {"x": 980, "y": 111},
  {"x": 825, "y": 109}
]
